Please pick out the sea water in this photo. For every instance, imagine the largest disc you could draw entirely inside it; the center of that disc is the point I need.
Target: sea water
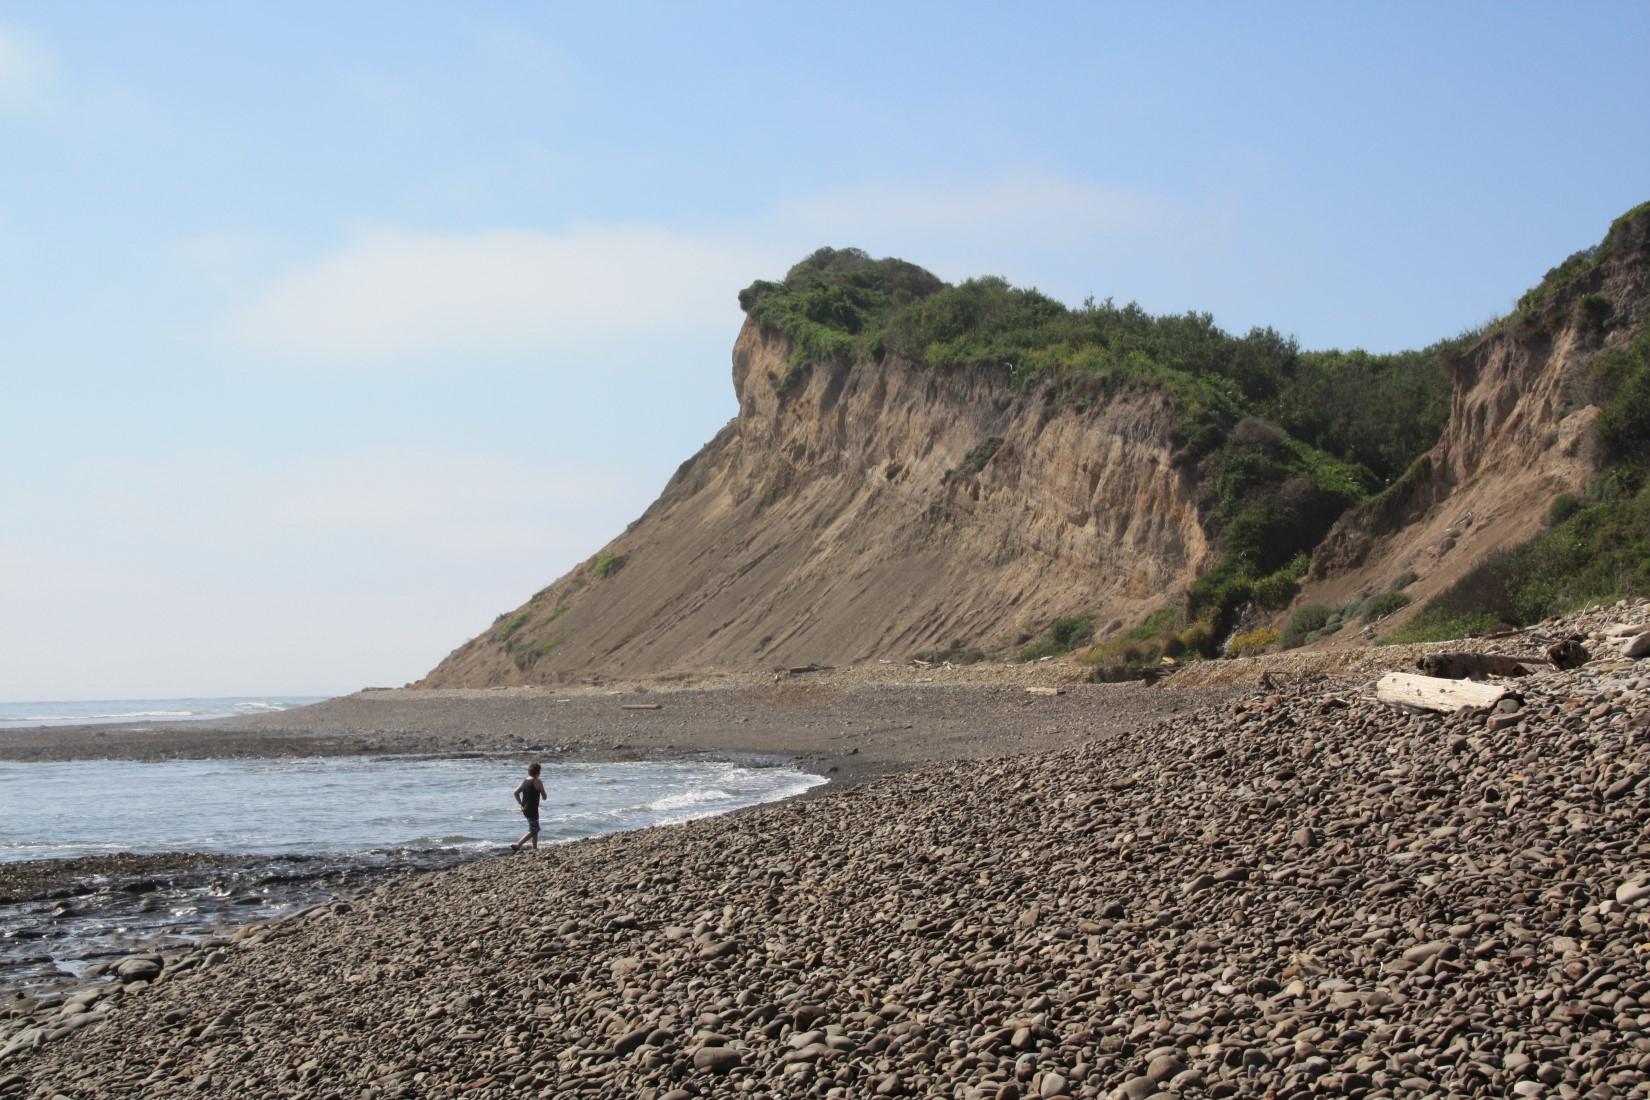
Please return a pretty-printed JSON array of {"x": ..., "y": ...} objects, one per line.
[
  {"x": 100, "y": 711},
  {"x": 294, "y": 832},
  {"x": 350, "y": 804}
]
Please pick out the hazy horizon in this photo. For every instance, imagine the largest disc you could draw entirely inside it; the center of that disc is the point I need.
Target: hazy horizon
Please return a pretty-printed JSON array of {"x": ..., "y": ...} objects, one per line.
[{"x": 335, "y": 332}]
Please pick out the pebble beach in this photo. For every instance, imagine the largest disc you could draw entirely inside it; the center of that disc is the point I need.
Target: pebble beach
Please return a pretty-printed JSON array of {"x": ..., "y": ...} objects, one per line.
[{"x": 1288, "y": 890}]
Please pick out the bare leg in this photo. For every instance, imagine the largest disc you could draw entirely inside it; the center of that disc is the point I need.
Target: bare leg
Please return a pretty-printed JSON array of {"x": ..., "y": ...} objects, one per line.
[{"x": 525, "y": 837}]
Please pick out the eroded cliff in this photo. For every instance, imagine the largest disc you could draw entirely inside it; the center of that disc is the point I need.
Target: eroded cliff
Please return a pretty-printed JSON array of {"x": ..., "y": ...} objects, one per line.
[
  {"x": 1519, "y": 434},
  {"x": 849, "y": 514},
  {"x": 918, "y": 468}
]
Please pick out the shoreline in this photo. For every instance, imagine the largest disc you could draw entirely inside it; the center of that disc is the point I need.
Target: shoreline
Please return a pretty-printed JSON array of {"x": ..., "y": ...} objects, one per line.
[
  {"x": 848, "y": 734},
  {"x": 1302, "y": 890}
]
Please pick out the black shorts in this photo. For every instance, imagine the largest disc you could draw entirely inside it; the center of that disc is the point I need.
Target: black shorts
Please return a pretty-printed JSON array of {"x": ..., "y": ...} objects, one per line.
[{"x": 532, "y": 820}]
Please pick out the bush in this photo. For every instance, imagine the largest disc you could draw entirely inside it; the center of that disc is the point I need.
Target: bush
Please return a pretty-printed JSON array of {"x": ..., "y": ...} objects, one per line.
[
  {"x": 979, "y": 454},
  {"x": 608, "y": 564},
  {"x": 1275, "y": 590},
  {"x": 1379, "y": 607},
  {"x": 1564, "y": 506},
  {"x": 505, "y": 628},
  {"x": 1622, "y": 379},
  {"x": 1252, "y": 642},
  {"x": 1198, "y": 636},
  {"x": 1062, "y": 636},
  {"x": 1432, "y": 625},
  {"x": 1305, "y": 621}
]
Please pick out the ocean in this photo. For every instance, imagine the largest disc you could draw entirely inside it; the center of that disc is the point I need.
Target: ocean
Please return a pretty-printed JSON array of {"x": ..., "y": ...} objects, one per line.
[
  {"x": 99, "y": 711},
  {"x": 281, "y": 834},
  {"x": 351, "y": 804}
]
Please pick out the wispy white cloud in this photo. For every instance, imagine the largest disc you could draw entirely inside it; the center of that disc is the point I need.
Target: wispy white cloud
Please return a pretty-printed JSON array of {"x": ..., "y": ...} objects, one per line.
[
  {"x": 1009, "y": 214},
  {"x": 390, "y": 294},
  {"x": 25, "y": 67}
]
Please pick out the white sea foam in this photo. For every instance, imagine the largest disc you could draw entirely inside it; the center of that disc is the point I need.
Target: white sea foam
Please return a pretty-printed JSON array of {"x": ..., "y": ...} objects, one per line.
[{"x": 686, "y": 799}]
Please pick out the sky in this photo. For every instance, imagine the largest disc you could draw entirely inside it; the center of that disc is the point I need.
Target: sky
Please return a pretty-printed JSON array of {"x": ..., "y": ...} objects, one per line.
[{"x": 328, "y": 332}]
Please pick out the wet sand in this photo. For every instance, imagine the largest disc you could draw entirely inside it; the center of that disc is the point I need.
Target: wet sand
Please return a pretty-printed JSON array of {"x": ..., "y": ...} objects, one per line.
[{"x": 847, "y": 731}]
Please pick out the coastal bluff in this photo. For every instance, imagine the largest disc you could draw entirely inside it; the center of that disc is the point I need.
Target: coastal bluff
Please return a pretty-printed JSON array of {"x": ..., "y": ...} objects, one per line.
[
  {"x": 919, "y": 470},
  {"x": 848, "y": 514}
]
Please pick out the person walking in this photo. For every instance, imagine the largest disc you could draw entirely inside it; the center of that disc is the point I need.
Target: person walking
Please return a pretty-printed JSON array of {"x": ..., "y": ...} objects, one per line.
[{"x": 528, "y": 792}]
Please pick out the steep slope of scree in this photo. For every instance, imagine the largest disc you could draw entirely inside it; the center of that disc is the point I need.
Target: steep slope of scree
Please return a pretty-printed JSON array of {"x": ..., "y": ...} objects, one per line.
[{"x": 1303, "y": 893}]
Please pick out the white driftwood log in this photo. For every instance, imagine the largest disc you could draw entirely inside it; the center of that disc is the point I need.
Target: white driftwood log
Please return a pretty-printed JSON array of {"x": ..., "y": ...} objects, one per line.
[{"x": 1433, "y": 693}]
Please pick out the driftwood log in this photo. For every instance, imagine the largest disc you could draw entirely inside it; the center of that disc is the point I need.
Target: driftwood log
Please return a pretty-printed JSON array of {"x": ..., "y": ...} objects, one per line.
[
  {"x": 1470, "y": 666},
  {"x": 1433, "y": 693}
]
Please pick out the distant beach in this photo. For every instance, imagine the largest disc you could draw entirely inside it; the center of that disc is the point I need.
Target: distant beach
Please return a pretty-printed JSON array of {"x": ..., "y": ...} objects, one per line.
[{"x": 82, "y": 712}]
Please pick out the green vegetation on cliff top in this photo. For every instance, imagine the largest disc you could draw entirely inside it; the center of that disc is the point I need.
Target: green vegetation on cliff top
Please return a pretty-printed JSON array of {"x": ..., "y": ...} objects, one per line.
[{"x": 1283, "y": 441}]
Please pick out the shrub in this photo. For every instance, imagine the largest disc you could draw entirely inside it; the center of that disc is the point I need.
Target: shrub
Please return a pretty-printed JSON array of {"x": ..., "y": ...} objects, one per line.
[
  {"x": 524, "y": 655},
  {"x": 979, "y": 454},
  {"x": 1564, "y": 506},
  {"x": 1622, "y": 377},
  {"x": 506, "y": 628},
  {"x": 1198, "y": 636},
  {"x": 1403, "y": 580},
  {"x": 1252, "y": 642},
  {"x": 1306, "y": 620},
  {"x": 1062, "y": 636},
  {"x": 1275, "y": 590},
  {"x": 1379, "y": 607},
  {"x": 608, "y": 564},
  {"x": 1432, "y": 625}
]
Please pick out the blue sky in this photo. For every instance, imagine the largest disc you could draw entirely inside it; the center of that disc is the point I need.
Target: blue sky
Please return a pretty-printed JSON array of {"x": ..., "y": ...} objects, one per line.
[{"x": 331, "y": 331}]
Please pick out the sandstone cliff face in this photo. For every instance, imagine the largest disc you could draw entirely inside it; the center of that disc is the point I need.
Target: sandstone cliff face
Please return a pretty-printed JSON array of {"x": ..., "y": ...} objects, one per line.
[
  {"x": 853, "y": 513},
  {"x": 856, "y": 513},
  {"x": 1518, "y": 435}
]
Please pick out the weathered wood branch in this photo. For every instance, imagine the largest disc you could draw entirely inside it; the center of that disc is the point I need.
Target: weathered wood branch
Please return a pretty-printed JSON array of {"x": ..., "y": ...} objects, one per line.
[{"x": 1433, "y": 693}]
